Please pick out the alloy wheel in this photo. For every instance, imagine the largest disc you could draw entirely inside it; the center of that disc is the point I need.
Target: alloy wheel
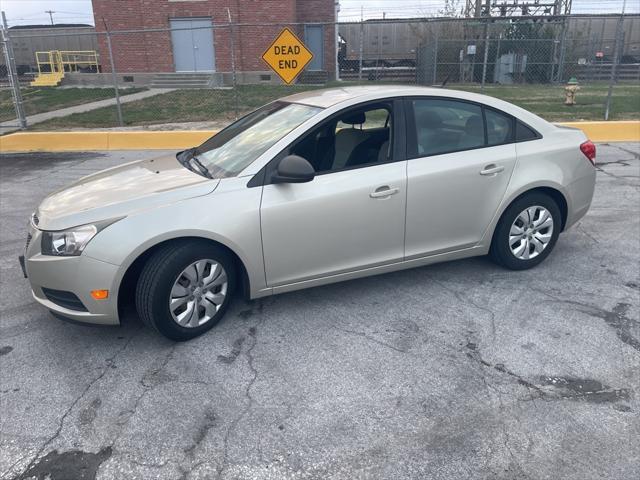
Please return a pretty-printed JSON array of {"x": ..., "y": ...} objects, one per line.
[
  {"x": 531, "y": 232},
  {"x": 198, "y": 293}
]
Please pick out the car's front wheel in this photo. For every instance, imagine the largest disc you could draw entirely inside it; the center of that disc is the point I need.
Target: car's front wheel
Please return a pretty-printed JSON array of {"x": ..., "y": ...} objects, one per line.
[
  {"x": 527, "y": 232},
  {"x": 184, "y": 289}
]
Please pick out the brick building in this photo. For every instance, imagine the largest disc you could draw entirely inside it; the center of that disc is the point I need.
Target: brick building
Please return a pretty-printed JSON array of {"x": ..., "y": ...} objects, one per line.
[{"x": 195, "y": 47}]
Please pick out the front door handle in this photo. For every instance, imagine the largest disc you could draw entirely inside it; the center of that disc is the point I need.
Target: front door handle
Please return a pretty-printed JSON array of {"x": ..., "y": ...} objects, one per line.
[
  {"x": 491, "y": 169},
  {"x": 384, "y": 192}
]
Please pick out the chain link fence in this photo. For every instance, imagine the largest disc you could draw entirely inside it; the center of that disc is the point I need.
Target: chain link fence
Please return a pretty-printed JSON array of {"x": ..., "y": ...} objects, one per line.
[
  {"x": 493, "y": 51},
  {"x": 199, "y": 75}
]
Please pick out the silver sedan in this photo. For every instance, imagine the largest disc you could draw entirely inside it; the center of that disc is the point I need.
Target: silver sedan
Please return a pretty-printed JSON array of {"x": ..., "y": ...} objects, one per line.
[{"x": 315, "y": 188}]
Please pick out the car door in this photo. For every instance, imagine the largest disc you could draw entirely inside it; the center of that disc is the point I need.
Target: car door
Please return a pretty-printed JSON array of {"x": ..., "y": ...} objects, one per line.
[
  {"x": 351, "y": 215},
  {"x": 461, "y": 157}
]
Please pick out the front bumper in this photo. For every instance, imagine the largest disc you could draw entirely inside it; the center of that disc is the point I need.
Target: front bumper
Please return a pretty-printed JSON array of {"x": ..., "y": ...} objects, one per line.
[{"x": 78, "y": 275}]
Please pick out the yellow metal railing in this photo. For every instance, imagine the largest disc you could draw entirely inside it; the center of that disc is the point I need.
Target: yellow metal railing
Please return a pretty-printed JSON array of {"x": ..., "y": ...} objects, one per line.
[
  {"x": 49, "y": 62},
  {"x": 60, "y": 61},
  {"x": 73, "y": 60},
  {"x": 53, "y": 64}
]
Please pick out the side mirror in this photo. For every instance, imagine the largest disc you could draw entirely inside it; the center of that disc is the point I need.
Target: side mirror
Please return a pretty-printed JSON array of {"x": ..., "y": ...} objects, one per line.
[{"x": 293, "y": 169}]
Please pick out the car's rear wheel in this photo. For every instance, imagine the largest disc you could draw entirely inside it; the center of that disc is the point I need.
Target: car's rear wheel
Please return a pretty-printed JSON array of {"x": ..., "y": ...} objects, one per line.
[
  {"x": 527, "y": 232},
  {"x": 184, "y": 289}
]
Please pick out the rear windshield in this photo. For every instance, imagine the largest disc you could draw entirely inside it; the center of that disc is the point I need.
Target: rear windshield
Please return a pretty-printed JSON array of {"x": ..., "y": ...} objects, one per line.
[{"x": 241, "y": 143}]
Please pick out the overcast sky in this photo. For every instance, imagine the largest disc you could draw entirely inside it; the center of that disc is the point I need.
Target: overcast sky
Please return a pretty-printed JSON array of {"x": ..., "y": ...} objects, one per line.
[{"x": 22, "y": 12}]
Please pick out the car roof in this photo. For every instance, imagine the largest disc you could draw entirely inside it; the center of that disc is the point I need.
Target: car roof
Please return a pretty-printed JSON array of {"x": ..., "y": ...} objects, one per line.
[{"x": 331, "y": 97}]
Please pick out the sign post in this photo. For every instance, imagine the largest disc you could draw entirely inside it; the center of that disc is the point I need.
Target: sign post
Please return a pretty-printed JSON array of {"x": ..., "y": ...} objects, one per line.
[{"x": 287, "y": 56}]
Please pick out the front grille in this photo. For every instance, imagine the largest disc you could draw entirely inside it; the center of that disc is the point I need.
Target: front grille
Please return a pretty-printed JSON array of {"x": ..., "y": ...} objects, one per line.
[
  {"x": 64, "y": 299},
  {"x": 29, "y": 237}
]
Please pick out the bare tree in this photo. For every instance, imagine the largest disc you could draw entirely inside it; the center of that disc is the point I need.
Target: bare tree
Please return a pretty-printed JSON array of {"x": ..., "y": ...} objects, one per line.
[{"x": 451, "y": 8}]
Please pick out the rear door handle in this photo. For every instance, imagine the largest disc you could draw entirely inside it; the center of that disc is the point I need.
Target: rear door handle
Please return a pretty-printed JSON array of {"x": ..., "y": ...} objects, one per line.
[
  {"x": 491, "y": 169},
  {"x": 383, "y": 192}
]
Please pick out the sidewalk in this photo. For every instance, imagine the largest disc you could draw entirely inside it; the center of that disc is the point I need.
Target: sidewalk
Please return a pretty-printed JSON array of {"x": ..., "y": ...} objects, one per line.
[{"x": 10, "y": 125}]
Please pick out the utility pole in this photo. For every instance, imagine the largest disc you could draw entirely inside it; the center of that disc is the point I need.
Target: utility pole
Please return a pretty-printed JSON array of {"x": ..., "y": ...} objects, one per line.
[{"x": 50, "y": 12}]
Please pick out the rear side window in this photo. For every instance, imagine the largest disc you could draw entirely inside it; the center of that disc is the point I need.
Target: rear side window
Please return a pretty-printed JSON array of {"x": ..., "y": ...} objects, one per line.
[
  {"x": 443, "y": 126},
  {"x": 524, "y": 133},
  {"x": 436, "y": 126},
  {"x": 499, "y": 127}
]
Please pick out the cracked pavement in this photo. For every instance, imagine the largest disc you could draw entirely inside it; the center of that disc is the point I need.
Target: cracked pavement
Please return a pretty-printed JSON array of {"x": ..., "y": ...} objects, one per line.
[{"x": 457, "y": 370}]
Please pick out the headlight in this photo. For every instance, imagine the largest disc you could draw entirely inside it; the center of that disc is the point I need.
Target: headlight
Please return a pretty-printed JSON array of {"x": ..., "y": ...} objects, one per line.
[
  {"x": 67, "y": 242},
  {"x": 71, "y": 242}
]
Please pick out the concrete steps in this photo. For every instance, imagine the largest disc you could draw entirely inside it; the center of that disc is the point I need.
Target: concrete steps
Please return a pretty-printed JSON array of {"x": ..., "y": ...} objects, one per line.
[{"x": 182, "y": 80}]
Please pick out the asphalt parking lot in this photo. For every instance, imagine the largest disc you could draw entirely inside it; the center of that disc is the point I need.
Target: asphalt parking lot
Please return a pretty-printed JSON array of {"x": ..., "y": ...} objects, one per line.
[{"x": 458, "y": 370}]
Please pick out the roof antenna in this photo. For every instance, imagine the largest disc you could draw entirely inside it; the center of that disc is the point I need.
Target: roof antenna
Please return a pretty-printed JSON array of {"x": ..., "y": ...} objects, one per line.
[{"x": 445, "y": 81}]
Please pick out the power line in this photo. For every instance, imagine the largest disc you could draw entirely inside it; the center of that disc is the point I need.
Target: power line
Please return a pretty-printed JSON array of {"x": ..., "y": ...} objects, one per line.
[{"x": 431, "y": 7}]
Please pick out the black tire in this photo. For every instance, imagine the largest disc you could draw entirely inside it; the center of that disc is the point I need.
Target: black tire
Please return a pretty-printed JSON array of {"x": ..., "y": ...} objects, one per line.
[
  {"x": 500, "y": 251},
  {"x": 158, "y": 276}
]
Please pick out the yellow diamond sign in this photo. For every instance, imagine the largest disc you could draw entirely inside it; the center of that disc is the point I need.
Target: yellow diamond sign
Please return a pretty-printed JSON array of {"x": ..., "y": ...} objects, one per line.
[{"x": 287, "y": 56}]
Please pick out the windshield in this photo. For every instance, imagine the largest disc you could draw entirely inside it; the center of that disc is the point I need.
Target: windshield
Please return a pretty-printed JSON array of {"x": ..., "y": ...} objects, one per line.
[{"x": 237, "y": 146}]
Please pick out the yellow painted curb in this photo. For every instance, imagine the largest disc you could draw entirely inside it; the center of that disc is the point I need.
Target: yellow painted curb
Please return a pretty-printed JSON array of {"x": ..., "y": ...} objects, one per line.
[
  {"x": 101, "y": 140},
  {"x": 53, "y": 141},
  {"x": 157, "y": 140},
  {"x": 622, "y": 131}
]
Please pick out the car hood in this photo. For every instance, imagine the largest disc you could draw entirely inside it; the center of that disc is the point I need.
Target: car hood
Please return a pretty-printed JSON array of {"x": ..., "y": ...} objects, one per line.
[{"x": 120, "y": 191}]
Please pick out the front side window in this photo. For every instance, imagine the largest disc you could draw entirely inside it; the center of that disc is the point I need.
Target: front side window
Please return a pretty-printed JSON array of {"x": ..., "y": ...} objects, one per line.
[
  {"x": 357, "y": 137},
  {"x": 443, "y": 126},
  {"x": 237, "y": 146}
]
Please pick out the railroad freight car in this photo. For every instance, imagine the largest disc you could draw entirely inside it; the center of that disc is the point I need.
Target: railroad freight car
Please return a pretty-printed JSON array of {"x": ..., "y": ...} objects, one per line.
[
  {"x": 29, "y": 39},
  {"x": 395, "y": 42},
  {"x": 385, "y": 44}
]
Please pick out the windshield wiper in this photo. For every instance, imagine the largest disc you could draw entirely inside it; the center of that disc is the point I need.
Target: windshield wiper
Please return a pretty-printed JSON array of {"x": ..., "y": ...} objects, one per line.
[
  {"x": 189, "y": 155},
  {"x": 184, "y": 155},
  {"x": 204, "y": 170}
]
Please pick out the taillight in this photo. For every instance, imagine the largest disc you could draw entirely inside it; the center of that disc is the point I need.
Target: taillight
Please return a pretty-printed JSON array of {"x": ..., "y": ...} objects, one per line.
[{"x": 589, "y": 150}]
